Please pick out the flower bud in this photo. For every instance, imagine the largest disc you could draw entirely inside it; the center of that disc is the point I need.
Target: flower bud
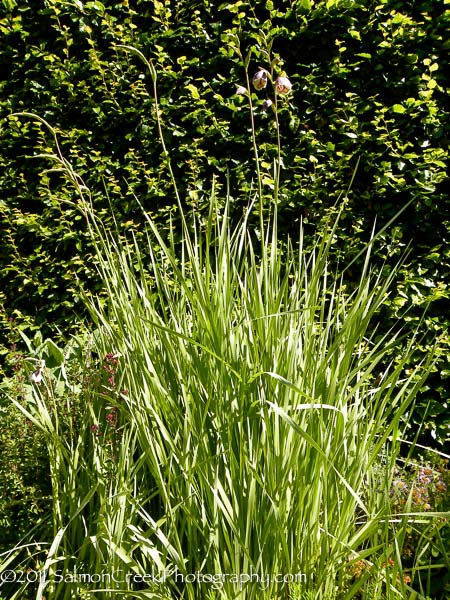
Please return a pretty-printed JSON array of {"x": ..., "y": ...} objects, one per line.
[
  {"x": 260, "y": 79},
  {"x": 267, "y": 104},
  {"x": 241, "y": 91},
  {"x": 283, "y": 85}
]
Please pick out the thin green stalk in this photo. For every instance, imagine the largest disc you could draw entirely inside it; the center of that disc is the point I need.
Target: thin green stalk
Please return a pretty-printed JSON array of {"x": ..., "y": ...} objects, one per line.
[{"x": 245, "y": 63}]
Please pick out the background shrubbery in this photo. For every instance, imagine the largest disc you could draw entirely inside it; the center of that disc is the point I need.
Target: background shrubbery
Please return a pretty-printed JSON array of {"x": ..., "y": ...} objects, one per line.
[{"x": 370, "y": 82}]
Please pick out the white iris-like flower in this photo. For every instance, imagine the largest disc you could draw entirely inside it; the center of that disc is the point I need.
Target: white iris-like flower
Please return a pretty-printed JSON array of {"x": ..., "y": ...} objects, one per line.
[{"x": 36, "y": 376}]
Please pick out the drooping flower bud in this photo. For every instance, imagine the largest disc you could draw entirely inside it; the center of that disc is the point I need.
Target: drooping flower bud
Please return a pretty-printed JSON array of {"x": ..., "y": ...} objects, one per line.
[
  {"x": 241, "y": 91},
  {"x": 260, "y": 79},
  {"x": 267, "y": 104},
  {"x": 283, "y": 85}
]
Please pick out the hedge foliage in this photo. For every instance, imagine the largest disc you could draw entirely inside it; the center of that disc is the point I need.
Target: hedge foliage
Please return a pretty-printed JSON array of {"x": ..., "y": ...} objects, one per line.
[{"x": 370, "y": 80}]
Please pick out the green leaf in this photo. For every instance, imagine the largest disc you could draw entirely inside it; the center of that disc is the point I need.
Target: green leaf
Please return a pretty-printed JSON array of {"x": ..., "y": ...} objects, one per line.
[
  {"x": 54, "y": 356},
  {"x": 194, "y": 91}
]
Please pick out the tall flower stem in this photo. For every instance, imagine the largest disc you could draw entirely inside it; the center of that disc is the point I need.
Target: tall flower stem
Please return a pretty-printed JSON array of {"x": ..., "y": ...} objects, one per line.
[{"x": 255, "y": 146}]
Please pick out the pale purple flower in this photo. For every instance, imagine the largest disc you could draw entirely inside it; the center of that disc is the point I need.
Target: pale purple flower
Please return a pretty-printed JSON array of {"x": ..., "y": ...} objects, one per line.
[
  {"x": 260, "y": 79},
  {"x": 283, "y": 85}
]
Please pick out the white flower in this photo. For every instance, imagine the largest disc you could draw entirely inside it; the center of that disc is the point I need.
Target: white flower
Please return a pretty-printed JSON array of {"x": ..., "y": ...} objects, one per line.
[
  {"x": 260, "y": 79},
  {"x": 241, "y": 91},
  {"x": 267, "y": 104},
  {"x": 36, "y": 376},
  {"x": 283, "y": 85}
]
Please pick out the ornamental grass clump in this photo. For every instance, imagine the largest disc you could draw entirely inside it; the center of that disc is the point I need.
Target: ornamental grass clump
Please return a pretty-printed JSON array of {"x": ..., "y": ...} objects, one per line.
[{"x": 265, "y": 413}]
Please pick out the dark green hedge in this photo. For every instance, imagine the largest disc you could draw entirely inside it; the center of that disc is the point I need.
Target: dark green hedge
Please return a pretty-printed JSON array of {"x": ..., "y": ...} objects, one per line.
[{"x": 370, "y": 84}]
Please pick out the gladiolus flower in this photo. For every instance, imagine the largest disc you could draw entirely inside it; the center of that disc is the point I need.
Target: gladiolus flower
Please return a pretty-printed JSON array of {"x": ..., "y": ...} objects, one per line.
[
  {"x": 260, "y": 79},
  {"x": 283, "y": 85}
]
